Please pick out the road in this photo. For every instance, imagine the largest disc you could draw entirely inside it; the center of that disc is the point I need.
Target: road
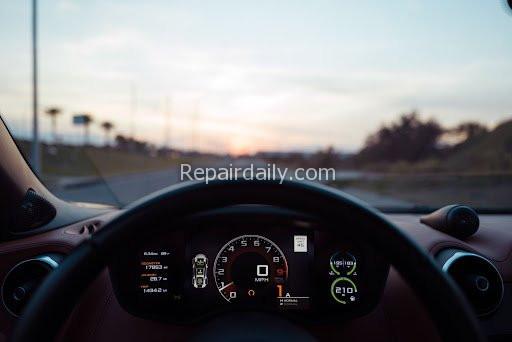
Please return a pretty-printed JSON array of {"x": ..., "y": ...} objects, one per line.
[
  {"x": 121, "y": 190},
  {"x": 118, "y": 190}
]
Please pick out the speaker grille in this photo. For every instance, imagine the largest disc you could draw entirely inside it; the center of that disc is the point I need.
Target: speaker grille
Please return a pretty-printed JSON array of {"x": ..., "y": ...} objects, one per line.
[{"x": 33, "y": 212}]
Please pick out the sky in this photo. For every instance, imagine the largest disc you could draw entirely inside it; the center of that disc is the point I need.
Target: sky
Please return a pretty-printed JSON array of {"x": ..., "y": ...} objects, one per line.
[{"x": 242, "y": 76}]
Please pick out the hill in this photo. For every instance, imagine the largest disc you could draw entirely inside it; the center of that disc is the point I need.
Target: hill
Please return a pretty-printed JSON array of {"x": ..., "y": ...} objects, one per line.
[{"x": 491, "y": 152}]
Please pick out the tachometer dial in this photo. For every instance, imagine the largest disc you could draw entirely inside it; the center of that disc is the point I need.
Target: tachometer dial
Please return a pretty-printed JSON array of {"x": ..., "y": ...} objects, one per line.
[{"x": 250, "y": 268}]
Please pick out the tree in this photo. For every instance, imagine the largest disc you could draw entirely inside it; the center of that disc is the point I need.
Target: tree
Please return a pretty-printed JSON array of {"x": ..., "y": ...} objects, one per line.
[
  {"x": 53, "y": 112},
  {"x": 87, "y": 122},
  {"x": 327, "y": 158},
  {"x": 468, "y": 130},
  {"x": 121, "y": 141},
  {"x": 84, "y": 120},
  {"x": 408, "y": 139},
  {"x": 107, "y": 126}
]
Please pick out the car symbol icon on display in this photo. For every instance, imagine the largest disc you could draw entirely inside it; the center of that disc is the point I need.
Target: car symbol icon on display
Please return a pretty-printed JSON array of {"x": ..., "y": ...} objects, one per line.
[{"x": 199, "y": 271}]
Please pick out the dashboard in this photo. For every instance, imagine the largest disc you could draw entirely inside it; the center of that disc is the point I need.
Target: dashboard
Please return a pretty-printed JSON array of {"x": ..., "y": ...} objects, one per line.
[
  {"x": 249, "y": 259},
  {"x": 398, "y": 315}
]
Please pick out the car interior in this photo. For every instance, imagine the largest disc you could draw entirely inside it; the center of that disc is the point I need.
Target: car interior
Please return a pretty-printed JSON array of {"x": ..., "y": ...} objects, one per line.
[
  {"x": 337, "y": 266},
  {"x": 137, "y": 237}
]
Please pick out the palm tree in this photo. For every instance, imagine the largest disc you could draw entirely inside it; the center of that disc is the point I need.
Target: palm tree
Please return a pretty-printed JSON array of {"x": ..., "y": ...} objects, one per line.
[
  {"x": 84, "y": 120},
  {"x": 87, "y": 121},
  {"x": 107, "y": 126},
  {"x": 53, "y": 112}
]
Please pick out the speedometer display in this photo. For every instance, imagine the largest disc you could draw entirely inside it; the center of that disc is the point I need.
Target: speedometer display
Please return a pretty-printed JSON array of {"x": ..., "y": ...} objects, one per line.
[{"x": 251, "y": 268}]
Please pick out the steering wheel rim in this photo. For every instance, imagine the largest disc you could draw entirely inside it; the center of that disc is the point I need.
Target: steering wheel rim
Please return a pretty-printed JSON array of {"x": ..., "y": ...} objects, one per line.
[{"x": 54, "y": 300}]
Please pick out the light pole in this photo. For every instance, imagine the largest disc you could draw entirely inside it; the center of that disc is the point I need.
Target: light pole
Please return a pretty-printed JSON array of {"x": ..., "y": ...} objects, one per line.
[{"x": 35, "y": 157}]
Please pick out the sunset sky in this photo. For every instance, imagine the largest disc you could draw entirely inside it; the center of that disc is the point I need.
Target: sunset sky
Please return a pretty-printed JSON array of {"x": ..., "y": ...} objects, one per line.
[{"x": 240, "y": 76}]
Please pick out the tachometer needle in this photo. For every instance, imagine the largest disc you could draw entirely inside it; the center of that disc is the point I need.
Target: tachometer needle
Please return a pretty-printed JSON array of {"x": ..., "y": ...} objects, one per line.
[{"x": 226, "y": 286}]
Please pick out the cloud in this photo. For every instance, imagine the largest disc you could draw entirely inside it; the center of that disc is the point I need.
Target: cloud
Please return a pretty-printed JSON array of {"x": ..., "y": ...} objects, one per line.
[{"x": 269, "y": 84}]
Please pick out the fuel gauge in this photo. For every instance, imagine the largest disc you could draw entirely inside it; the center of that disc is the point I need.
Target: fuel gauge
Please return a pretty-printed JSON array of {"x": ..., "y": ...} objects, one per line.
[{"x": 344, "y": 291}]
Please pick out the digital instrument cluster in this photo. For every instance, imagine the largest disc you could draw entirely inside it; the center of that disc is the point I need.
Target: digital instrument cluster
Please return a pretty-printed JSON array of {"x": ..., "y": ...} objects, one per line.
[{"x": 266, "y": 262}]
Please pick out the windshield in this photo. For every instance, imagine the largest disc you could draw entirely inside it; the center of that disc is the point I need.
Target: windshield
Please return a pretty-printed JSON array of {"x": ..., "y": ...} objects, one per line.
[{"x": 404, "y": 104}]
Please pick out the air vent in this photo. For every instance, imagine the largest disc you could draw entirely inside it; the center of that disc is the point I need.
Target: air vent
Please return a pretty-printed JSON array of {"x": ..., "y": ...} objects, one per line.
[
  {"x": 23, "y": 280},
  {"x": 84, "y": 229},
  {"x": 478, "y": 278}
]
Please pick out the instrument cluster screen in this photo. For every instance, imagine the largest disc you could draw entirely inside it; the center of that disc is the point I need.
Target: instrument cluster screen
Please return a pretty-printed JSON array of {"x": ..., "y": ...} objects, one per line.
[
  {"x": 265, "y": 269},
  {"x": 210, "y": 267},
  {"x": 225, "y": 268}
]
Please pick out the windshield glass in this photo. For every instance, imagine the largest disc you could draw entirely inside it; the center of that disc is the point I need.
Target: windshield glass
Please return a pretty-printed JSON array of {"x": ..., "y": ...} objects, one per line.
[{"x": 405, "y": 104}]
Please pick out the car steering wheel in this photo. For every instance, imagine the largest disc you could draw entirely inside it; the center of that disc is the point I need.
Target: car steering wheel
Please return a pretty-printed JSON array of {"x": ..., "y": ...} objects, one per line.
[{"x": 61, "y": 290}]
